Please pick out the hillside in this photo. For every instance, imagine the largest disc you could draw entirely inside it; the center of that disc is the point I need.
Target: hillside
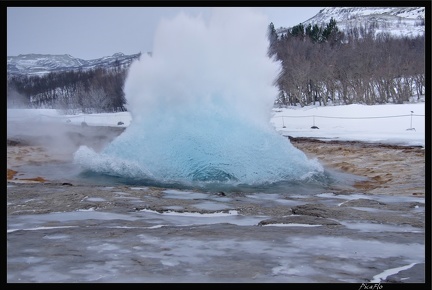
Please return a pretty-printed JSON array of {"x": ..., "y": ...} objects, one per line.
[{"x": 397, "y": 21}]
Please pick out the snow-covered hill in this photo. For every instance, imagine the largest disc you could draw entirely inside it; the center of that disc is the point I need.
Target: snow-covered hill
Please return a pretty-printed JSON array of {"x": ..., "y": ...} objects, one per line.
[
  {"x": 37, "y": 64},
  {"x": 398, "y": 21}
]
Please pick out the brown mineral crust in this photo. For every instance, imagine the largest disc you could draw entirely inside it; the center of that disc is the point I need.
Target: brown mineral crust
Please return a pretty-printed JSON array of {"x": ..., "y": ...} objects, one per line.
[{"x": 389, "y": 169}]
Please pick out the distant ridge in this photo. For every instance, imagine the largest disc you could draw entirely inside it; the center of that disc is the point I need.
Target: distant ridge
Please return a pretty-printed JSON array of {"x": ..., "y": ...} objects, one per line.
[{"x": 40, "y": 64}]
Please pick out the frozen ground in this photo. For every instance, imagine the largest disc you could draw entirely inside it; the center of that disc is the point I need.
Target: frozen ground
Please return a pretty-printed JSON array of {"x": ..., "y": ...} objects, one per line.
[
  {"x": 66, "y": 229},
  {"x": 63, "y": 233}
]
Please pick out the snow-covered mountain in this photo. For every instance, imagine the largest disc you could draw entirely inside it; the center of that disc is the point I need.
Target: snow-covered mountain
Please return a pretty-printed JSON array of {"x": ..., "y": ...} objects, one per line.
[
  {"x": 39, "y": 64},
  {"x": 398, "y": 21}
]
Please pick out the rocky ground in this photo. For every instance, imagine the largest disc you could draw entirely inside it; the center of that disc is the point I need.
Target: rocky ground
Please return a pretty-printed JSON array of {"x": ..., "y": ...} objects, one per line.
[{"x": 61, "y": 230}]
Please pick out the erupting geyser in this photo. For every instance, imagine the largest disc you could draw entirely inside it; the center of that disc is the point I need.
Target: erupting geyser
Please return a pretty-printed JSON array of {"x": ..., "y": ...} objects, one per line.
[{"x": 201, "y": 108}]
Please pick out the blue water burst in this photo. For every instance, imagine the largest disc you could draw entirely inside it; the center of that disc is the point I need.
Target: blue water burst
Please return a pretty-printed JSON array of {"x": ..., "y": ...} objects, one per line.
[
  {"x": 201, "y": 108},
  {"x": 200, "y": 147}
]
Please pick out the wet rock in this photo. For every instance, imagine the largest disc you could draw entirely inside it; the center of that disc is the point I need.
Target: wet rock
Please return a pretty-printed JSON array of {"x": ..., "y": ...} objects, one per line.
[
  {"x": 406, "y": 276},
  {"x": 308, "y": 220},
  {"x": 318, "y": 210},
  {"x": 363, "y": 202}
]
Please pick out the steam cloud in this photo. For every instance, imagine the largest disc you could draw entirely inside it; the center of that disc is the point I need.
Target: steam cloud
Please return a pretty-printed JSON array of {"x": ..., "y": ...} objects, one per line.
[{"x": 201, "y": 107}]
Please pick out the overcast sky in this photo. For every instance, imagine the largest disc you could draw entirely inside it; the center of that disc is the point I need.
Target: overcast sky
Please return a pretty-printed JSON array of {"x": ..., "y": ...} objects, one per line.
[{"x": 94, "y": 32}]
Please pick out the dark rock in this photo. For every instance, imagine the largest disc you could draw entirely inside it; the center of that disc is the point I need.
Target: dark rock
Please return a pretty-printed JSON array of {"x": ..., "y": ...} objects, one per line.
[
  {"x": 363, "y": 202},
  {"x": 309, "y": 220}
]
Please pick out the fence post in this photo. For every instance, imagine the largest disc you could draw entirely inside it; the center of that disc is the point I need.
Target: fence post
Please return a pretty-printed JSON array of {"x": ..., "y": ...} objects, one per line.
[
  {"x": 411, "y": 127},
  {"x": 314, "y": 127}
]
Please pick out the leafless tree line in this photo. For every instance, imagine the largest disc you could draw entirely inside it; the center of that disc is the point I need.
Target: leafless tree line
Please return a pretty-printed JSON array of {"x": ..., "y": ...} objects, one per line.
[
  {"x": 320, "y": 65},
  {"x": 359, "y": 67},
  {"x": 93, "y": 91}
]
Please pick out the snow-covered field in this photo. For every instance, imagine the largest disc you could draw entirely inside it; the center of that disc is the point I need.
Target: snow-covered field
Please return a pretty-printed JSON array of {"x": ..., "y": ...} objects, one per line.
[{"x": 402, "y": 124}]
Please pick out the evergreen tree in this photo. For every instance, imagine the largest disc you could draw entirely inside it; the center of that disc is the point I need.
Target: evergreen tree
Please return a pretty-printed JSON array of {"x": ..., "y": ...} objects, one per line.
[
  {"x": 298, "y": 31},
  {"x": 329, "y": 29},
  {"x": 273, "y": 38},
  {"x": 314, "y": 32}
]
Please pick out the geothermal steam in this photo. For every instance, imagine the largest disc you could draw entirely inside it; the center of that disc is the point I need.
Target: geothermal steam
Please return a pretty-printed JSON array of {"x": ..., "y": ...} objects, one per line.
[{"x": 201, "y": 108}]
